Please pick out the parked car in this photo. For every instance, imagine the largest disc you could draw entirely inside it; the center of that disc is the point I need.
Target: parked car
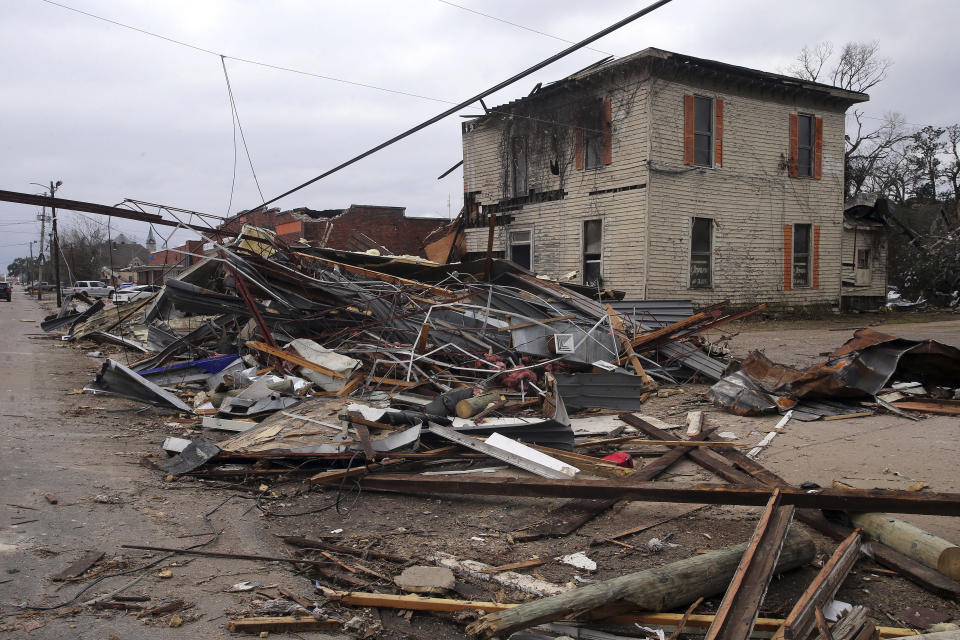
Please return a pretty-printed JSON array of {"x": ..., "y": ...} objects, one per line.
[
  {"x": 135, "y": 292},
  {"x": 93, "y": 288},
  {"x": 5, "y": 291}
]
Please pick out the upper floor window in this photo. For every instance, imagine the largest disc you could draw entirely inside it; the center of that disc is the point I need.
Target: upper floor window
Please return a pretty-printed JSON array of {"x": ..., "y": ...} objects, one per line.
[
  {"x": 518, "y": 166},
  {"x": 702, "y": 131},
  {"x": 593, "y": 141},
  {"x": 806, "y": 146}
]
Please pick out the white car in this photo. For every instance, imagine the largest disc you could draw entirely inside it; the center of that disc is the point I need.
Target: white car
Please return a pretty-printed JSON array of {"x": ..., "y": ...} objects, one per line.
[
  {"x": 137, "y": 292},
  {"x": 93, "y": 288}
]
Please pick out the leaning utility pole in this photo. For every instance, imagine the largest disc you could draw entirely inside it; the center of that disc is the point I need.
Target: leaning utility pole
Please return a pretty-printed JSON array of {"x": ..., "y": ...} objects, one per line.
[
  {"x": 43, "y": 225},
  {"x": 56, "y": 243}
]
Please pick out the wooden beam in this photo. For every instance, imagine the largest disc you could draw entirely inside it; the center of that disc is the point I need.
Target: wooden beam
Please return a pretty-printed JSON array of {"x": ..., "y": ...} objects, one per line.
[
  {"x": 741, "y": 603},
  {"x": 942, "y": 504},
  {"x": 801, "y": 620},
  {"x": 294, "y": 359}
]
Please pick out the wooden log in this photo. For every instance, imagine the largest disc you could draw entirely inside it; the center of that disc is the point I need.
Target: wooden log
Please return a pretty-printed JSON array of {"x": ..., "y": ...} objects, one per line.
[
  {"x": 282, "y": 624},
  {"x": 674, "y": 585},
  {"x": 474, "y": 405},
  {"x": 914, "y": 542}
]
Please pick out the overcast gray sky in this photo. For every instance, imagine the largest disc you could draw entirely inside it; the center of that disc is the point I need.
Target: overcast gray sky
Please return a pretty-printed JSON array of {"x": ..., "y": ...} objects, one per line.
[{"x": 119, "y": 114}]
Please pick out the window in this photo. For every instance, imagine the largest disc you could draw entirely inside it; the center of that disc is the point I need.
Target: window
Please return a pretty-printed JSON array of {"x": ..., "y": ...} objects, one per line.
[
  {"x": 593, "y": 135},
  {"x": 801, "y": 255},
  {"x": 521, "y": 248},
  {"x": 701, "y": 254},
  {"x": 863, "y": 258},
  {"x": 592, "y": 251},
  {"x": 703, "y": 131},
  {"x": 805, "y": 145},
  {"x": 518, "y": 166}
]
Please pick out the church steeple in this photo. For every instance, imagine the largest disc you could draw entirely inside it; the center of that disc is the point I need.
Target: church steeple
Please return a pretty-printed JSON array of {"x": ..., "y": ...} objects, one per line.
[{"x": 151, "y": 242}]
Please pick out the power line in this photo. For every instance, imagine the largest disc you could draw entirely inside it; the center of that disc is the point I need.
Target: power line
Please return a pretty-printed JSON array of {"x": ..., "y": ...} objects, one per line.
[
  {"x": 519, "y": 76},
  {"x": 236, "y": 115},
  {"x": 520, "y": 26},
  {"x": 239, "y": 59}
]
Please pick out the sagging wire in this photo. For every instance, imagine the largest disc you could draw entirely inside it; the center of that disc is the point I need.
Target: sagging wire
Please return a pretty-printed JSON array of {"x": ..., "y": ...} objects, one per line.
[
  {"x": 236, "y": 114},
  {"x": 206, "y": 517}
]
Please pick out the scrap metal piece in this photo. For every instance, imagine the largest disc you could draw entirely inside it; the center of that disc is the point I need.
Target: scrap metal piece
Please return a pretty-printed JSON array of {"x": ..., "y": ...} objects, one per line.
[
  {"x": 619, "y": 391},
  {"x": 119, "y": 380},
  {"x": 73, "y": 319},
  {"x": 194, "y": 455},
  {"x": 495, "y": 452},
  {"x": 739, "y": 394},
  {"x": 193, "y": 371}
]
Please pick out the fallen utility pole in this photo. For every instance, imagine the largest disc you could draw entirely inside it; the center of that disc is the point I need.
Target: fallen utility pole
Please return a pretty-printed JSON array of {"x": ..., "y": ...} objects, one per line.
[
  {"x": 667, "y": 587},
  {"x": 90, "y": 207},
  {"x": 483, "y": 94},
  {"x": 938, "y": 504}
]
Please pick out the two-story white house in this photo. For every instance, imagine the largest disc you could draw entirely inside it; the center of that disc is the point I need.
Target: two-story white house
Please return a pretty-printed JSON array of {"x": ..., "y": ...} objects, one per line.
[{"x": 666, "y": 176}]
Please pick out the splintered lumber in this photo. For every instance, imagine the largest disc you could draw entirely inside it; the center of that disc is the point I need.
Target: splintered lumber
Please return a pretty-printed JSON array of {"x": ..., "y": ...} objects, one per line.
[
  {"x": 925, "y": 548},
  {"x": 596, "y": 466},
  {"x": 617, "y": 323},
  {"x": 414, "y": 602},
  {"x": 281, "y": 624},
  {"x": 295, "y": 359},
  {"x": 523, "y": 564},
  {"x": 741, "y": 603},
  {"x": 941, "y": 504},
  {"x": 801, "y": 621},
  {"x": 79, "y": 566},
  {"x": 649, "y": 340},
  {"x": 668, "y": 587},
  {"x": 662, "y": 443},
  {"x": 376, "y": 275}
]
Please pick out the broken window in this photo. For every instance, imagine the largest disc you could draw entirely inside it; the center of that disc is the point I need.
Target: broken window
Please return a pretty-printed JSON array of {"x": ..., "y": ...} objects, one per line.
[
  {"x": 801, "y": 255},
  {"x": 521, "y": 248},
  {"x": 703, "y": 131},
  {"x": 593, "y": 135},
  {"x": 518, "y": 166},
  {"x": 701, "y": 254},
  {"x": 592, "y": 251},
  {"x": 805, "y": 145},
  {"x": 863, "y": 258}
]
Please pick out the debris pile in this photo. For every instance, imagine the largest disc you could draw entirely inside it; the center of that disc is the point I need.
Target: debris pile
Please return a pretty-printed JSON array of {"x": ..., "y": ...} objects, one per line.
[{"x": 481, "y": 379}]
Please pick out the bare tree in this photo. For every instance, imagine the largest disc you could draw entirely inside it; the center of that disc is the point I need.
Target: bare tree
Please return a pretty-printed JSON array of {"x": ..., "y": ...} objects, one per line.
[
  {"x": 82, "y": 245},
  {"x": 857, "y": 68},
  {"x": 952, "y": 171}
]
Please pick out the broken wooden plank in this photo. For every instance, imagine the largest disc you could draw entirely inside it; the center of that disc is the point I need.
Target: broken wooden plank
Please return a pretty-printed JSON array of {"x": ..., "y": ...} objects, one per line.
[
  {"x": 79, "y": 566},
  {"x": 801, "y": 621},
  {"x": 741, "y": 603},
  {"x": 294, "y": 359},
  {"x": 523, "y": 564},
  {"x": 662, "y": 443},
  {"x": 942, "y": 504},
  {"x": 365, "y": 444},
  {"x": 683, "y": 621},
  {"x": 281, "y": 624}
]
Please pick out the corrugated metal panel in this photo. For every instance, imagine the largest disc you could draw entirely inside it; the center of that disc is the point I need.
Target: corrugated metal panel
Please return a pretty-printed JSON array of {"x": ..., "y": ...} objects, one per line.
[
  {"x": 693, "y": 358},
  {"x": 619, "y": 391}
]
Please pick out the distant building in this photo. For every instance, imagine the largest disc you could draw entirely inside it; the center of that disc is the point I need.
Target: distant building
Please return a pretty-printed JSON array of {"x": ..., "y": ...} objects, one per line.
[
  {"x": 151, "y": 242},
  {"x": 356, "y": 228},
  {"x": 866, "y": 229}
]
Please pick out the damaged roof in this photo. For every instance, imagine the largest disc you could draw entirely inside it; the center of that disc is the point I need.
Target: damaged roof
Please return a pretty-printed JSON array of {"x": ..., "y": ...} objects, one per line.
[{"x": 661, "y": 61}]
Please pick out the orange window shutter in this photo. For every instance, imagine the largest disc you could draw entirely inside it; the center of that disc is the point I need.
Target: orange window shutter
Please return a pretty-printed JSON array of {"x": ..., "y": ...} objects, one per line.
[
  {"x": 787, "y": 256},
  {"x": 718, "y": 132},
  {"x": 688, "y": 137},
  {"x": 818, "y": 149},
  {"x": 816, "y": 255},
  {"x": 792, "y": 164},
  {"x": 607, "y": 128}
]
